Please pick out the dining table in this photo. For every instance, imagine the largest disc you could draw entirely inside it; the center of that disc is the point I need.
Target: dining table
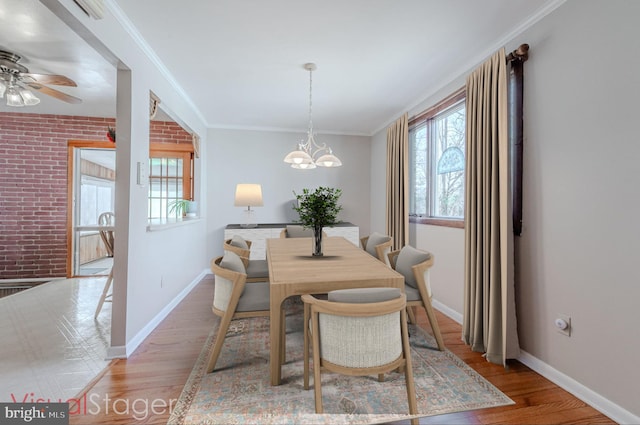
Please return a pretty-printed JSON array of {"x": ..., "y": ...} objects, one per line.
[{"x": 293, "y": 270}]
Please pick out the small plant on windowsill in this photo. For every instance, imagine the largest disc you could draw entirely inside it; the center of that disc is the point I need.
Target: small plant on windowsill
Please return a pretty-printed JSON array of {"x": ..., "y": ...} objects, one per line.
[
  {"x": 111, "y": 134},
  {"x": 183, "y": 207}
]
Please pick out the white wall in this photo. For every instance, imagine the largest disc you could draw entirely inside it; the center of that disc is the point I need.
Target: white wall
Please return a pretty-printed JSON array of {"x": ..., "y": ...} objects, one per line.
[
  {"x": 578, "y": 251},
  {"x": 240, "y": 156},
  {"x": 151, "y": 268}
]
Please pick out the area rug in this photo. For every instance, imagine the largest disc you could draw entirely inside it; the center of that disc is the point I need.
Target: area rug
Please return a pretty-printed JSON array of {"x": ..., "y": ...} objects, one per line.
[{"x": 239, "y": 391}]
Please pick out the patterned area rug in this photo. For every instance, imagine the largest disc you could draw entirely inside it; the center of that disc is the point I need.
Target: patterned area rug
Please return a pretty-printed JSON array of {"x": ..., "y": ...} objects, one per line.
[{"x": 239, "y": 391}]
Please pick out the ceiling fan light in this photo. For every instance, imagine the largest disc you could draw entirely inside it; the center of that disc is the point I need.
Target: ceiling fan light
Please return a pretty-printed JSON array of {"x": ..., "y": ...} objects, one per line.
[
  {"x": 14, "y": 98},
  {"x": 29, "y": 98}
]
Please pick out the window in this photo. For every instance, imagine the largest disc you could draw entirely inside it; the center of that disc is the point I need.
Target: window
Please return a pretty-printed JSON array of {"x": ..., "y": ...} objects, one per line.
[
  {"x": 437, "y": 162},
  {"x": 96, "y": 196},
  {"x": 170, "y": 178}
]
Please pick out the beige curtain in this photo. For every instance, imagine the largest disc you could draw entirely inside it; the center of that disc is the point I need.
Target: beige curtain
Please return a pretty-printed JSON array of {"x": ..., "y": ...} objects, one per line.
[
  {"x": 397, "y": 216},
  {"x": 489, "y": 323}
]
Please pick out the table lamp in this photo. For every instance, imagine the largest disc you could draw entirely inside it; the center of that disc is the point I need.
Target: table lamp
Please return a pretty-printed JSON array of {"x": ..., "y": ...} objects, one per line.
[{"x": 248, "y": 195}]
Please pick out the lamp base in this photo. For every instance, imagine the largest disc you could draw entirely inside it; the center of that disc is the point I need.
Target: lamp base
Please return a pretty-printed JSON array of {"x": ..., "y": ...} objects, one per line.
[{"x": 249, "y": 221}]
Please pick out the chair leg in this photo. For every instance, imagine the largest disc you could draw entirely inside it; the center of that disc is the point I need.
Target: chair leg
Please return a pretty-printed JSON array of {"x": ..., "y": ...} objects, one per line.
[
  {"x": 305, "y": 349},
  {"x": 317, "y": 383},
  {"x": 431, "y": 315},
  {"x": 408, "y": 373},
  {"x": 412, "y": 316},
  {"x": 217, "y": 346},
  {"x": 105, "y": 294}
]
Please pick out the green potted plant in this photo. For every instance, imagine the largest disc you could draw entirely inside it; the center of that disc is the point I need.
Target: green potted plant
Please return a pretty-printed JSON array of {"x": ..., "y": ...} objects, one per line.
[
  {"x": 183, "y": 207},
  {"x": 318, "y": 209}
]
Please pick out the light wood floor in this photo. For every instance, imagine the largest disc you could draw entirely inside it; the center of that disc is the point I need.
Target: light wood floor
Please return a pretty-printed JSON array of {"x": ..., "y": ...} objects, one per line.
[{"x": 160, "y": 367}]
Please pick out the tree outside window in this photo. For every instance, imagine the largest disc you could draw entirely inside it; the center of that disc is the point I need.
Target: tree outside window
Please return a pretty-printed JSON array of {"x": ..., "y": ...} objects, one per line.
[{"x": 437, "y": 163}]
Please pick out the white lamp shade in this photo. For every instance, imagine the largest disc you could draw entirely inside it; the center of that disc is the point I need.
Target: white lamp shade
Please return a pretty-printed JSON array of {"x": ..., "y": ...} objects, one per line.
[
  {"x": 329, "y": 160},
  {"x": 248, "y": 195},
  {"x": 298, "y": 157},
  {"x": 303, "y": 166}
]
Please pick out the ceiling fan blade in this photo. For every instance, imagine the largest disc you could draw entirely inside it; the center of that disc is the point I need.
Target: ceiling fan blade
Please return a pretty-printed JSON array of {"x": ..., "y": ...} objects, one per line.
[
  {"x": 58, "y": 80},
  {"x": 54, "y": 93}
]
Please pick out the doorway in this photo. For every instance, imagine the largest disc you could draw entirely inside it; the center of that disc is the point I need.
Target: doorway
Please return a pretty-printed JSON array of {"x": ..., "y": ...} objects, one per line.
[{"x": 91, "y": 187}]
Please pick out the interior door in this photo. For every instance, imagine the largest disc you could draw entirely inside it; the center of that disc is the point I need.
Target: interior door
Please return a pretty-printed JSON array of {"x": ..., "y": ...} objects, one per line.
[{"x": 91, "y": 189}]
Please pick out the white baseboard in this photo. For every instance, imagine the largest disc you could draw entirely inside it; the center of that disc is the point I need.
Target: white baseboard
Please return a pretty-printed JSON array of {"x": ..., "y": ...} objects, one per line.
[
  {"x": 449, "y": 312},
  {"x": 593, "y": 399},
  {"x": 122, "y": 352}
]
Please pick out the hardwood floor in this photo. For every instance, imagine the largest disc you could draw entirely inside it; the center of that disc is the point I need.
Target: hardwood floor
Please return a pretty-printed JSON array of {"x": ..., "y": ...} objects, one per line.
[{"x": 144, "y": 387}]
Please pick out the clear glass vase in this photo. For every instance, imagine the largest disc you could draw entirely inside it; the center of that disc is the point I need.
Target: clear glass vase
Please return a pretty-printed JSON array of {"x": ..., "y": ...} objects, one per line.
[{"x": 317, "y": 243}]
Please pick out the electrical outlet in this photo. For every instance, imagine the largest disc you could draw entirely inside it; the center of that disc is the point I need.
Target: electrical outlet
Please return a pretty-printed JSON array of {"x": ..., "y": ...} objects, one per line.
[{"x": 563, "y": 324}]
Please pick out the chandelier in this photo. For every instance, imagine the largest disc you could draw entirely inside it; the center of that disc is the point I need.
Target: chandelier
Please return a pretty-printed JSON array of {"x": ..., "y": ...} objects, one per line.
[{"x": 310, "y": 154}]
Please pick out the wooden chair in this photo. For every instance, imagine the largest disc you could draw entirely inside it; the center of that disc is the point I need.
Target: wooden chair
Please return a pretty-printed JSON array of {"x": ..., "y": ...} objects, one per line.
[
  {"x": 235, "y": 298},
  {"x": 107, "y": 219},
  {"x": 257, "y": 270},
  {"x": 338, "y": 327},
  {"x": 107, "y": 236},
  {"x": 414, "y": 265},
  {"x": 377, "y": 245},
  {"x": 298, "y": 231}
]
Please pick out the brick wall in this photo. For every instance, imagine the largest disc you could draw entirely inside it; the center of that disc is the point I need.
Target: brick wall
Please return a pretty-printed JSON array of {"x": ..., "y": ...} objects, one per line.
[
  {"x": 33, "y": 187},
  {"x": 168, "y": 132}
]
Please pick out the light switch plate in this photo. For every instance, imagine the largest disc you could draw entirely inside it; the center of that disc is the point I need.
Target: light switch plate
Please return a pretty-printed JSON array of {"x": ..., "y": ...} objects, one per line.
[{"x": 141, "y": 175}]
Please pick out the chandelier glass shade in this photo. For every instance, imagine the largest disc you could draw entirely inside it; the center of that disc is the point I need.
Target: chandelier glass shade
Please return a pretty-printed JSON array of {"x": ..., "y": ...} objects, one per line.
[
  {"x": 17, "y": 95},
  {"x": 310, "y": 154}
]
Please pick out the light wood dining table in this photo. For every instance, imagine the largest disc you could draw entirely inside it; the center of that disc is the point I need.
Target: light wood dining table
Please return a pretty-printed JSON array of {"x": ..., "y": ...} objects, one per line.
[{"x": 294, "y": 271}]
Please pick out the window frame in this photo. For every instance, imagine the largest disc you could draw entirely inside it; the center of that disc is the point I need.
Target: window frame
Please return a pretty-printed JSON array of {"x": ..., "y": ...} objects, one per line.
[
  {"x": 183, "y": 151},
  {"x": 423, "y": 118}
]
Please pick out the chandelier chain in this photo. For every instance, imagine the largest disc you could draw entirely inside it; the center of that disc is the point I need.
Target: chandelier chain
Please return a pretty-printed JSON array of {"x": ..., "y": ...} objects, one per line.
[{"x": 310, "y": 101}]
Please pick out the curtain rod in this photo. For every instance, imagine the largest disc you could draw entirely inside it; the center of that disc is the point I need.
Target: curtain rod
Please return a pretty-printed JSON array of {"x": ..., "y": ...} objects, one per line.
[{"x": 521, "y": 54}]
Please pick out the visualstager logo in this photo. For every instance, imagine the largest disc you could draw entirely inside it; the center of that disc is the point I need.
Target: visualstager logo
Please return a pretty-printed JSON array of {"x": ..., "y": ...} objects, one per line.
[
  {"x": 34, "y": 413},
  {"x": 86, "y": 404}
]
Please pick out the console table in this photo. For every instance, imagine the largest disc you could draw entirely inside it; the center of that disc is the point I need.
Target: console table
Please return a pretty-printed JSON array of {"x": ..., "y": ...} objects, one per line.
[{"x": 259, "y": 235}]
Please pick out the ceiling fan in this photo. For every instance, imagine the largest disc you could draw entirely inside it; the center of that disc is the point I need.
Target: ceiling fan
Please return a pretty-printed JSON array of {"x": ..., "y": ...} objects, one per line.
[{"x": 16, "y": 80}]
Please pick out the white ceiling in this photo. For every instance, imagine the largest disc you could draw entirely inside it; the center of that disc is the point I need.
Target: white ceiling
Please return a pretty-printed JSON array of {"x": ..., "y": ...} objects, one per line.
[
  {"x": 241, "y": 61},
  {"x": 48, "y": 46}
]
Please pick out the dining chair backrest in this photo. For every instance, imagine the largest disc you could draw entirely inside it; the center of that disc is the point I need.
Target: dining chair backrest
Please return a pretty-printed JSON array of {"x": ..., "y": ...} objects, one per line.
[
  {"x": 415, "y": 266},
  {"x": 107, "y": 236},
  {"x": 358, "y": 332},
  {"x": 238, "y": 245},
  {"x": 296, "y": 231},
  {"x": 234, "y": 297},
  {"x": 378, "y": 245}
]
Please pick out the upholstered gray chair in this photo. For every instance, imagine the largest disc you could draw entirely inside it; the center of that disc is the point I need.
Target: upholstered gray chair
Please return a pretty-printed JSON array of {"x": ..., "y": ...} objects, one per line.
[
  {"x": 377, "y": 245},
  {"x": 414, "y": 265},
  {"x": 358, "y": 332},
  {"x": 257, "y": 270},
  {"x": 296, "y": 231},
  {"x": 234, "y": 298}
]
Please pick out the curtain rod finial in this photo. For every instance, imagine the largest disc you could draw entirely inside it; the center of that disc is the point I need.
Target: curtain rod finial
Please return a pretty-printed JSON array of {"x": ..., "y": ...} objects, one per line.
[{"x": 521, "y": 53}]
